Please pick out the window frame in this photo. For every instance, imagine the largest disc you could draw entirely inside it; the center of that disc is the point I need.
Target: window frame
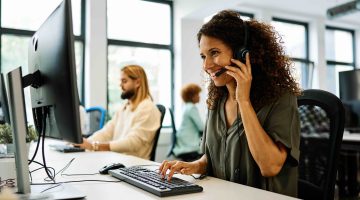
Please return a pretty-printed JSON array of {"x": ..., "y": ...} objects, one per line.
[
  {"x": 29, "y": 33},
  {"x": 246, "y": 14},
  {"x": 334, "y": 62},
  {"x": 170, "y": 47},
  {"x": 306, "y": 61}
]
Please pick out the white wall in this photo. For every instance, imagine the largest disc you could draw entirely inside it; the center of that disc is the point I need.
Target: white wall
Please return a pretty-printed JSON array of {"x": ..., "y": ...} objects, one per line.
[
  {"x": 188, "y": 18},
  {"x": 95, "y": 54},
  {"x": 190, "y": 14}
]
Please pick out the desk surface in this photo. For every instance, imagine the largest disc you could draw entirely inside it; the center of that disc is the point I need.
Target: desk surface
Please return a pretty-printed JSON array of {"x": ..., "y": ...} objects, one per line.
[
  {"x": 354, "y": 137},
  {"x": 351, "y": 141},
  {"x": 91, "y": 162}
]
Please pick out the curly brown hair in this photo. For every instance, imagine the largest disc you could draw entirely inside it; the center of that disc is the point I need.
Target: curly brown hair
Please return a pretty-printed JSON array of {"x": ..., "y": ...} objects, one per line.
[
  {"x": 271, "y": 68},
  {"x": 189, "y": 91}
]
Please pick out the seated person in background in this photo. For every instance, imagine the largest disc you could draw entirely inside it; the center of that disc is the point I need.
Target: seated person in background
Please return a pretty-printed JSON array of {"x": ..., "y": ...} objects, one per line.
[
  {"x": 132, "y": 129},
  {"x": 188, "y": 136}
]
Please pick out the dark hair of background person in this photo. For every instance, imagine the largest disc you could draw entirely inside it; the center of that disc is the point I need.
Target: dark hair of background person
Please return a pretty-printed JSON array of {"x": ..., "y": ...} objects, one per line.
[
  {"x": 271, "y": 68},
  {"x": 189, "y": 91}
]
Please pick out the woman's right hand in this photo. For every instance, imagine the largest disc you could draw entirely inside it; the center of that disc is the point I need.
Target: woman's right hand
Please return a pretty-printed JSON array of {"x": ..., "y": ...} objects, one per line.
[{"x": 182, "y": 167}]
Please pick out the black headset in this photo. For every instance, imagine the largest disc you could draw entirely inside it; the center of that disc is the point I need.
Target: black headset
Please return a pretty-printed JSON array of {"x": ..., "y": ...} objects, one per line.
[{"x": 240, "y": 54}]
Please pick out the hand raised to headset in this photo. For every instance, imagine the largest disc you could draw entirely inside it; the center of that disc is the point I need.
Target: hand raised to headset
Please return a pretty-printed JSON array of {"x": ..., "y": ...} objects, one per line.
[{"x": 243, "y": 76}]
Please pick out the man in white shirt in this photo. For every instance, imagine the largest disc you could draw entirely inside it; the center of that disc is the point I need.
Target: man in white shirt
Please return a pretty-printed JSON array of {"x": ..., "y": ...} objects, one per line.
[{"x": 132, "y": 129}]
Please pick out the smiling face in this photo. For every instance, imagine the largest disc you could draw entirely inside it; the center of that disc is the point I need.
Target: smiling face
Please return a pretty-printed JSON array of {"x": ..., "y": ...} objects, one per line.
[{"x": 215, "y": 55}]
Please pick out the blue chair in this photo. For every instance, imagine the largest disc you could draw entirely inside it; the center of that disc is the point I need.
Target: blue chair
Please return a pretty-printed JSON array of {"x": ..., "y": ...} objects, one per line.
[{"x": 96, "y": 118}]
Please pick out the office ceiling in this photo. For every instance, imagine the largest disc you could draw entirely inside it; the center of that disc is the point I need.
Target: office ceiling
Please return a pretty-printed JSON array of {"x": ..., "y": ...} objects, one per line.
[{"x": 311, "y": 7}]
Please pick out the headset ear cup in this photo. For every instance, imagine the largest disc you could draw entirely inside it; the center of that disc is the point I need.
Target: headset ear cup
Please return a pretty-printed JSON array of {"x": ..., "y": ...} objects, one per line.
[
  {"x": 237, "y": 54},
  {"x": 242, "y": 54}
]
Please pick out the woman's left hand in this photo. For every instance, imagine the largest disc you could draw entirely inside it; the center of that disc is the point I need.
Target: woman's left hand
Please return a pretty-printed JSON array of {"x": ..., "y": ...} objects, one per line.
[{"x": 242, "y": 75}]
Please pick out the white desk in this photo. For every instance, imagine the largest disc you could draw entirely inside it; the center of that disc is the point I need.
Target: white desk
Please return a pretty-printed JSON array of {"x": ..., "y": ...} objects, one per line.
[
  {"x": 351, "y": 137},
  {"x": 351, "y": 141},
  {"x": 91, "y": 162}
]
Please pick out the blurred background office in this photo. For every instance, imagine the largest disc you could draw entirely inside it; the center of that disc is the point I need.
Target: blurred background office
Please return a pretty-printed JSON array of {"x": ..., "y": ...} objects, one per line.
[{"x": 161, "y": 36}]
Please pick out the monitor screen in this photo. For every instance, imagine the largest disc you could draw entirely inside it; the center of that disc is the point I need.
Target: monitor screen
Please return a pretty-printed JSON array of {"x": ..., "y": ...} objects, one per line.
[
  {"x": 51, "y": 52},
  {"x": 349, "y": 89},
  {"x": 4, "y": 106},
  {"x": 349, "y": 85}
]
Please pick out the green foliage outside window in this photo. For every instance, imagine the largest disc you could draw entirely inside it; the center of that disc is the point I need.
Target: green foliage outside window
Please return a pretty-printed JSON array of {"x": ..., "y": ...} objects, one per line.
[{"x": 6, "y": 134}]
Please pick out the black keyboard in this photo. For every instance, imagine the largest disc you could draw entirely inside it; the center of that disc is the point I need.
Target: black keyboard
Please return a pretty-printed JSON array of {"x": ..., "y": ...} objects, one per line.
[
  {"x": 152, "y": 182},
  {"x": 66, "y": 148}
]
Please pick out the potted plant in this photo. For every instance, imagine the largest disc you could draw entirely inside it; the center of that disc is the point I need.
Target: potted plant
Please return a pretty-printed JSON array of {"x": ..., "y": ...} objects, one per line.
[{"x": 7, "y": 139}]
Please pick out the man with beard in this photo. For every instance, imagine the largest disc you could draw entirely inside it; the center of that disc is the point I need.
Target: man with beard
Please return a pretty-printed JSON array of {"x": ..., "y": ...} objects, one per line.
[{"x": 132, "y": 129}]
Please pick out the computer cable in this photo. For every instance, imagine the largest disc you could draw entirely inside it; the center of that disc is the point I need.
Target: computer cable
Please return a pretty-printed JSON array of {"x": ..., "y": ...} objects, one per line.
[
  {"x": 79, "y": 174},
  {"x": 202, "y": 176},
  {"x": 53, "y": 172},
  {"x": 78, "y": 181},
  {"x": 67, "y": 166},
  {"x": 49, "y": 188},
  {"x": 62, "y": 170},
  {"x": 57, "y": 184},
  {"x": 45, "y": 114},
  {"x": 38, "y": 128},
  {"x": 10, "y": 182},
  {"x": 50, "y": 169},
  {"x": 36, "y": 150}
]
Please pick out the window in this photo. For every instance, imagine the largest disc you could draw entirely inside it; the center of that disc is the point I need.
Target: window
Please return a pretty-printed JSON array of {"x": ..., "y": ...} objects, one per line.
[
  {"x": 294, "y": 36},
  {"x": 17, "y": 28},
  {"x": 243, "y": 16},
  {"x": 150, "y": 22},
  {"x": 19, "y": 23},
  {"x": 145, "y": 40},
  {"x": 31, "y": 14},
  {"x": 340, "y": 48}
]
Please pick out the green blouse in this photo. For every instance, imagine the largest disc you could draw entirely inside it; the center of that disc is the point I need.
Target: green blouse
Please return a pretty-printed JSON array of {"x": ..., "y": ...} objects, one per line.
[{"x": 228, "y": 153}]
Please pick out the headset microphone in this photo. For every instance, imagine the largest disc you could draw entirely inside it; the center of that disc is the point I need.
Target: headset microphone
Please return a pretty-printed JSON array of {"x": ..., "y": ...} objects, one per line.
[
  {"x": 239, "y": 54},
  {"x": 221, "y": 71}
]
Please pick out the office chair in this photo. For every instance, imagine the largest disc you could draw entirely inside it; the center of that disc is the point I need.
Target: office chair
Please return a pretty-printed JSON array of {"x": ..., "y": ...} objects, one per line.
[
  {"x": 173, "y": 135},
  {"x": 322, "y": 124},
  {"x": 188, "y": 157},
  {"x": 96, "y": 119},
  {"x": 162, "y": 110}
]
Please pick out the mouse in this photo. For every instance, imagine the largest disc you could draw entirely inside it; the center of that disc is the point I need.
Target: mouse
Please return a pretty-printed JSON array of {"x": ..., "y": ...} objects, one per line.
[{"x": 106, "y": 168}]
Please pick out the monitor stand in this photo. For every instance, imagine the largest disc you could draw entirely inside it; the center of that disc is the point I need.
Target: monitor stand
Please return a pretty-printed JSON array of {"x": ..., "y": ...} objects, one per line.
[
  {"x": 50, "y": 192},
  {"x": 19, "y": 129}
]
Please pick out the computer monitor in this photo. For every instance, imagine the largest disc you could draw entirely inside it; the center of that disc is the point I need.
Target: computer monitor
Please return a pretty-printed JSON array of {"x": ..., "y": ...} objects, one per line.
[
  {"x": 349, "y": 89},
  {"x": 4, "y": 106},
  {"x": 51, "y": 52},
  {"x": 349, "y": 85},
  {"x": 54, "y": 94}
]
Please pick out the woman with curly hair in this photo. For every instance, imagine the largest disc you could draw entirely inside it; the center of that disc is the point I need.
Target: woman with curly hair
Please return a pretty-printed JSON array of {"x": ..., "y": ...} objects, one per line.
[{"x": 252, "y": 132}]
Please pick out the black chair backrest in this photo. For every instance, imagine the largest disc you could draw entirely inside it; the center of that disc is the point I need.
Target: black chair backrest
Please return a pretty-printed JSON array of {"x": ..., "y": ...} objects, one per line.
[
  {"x": 322, "y": 125},
  {"x": 173, "y": 135},
  {"x": 162, "y": 110}
]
